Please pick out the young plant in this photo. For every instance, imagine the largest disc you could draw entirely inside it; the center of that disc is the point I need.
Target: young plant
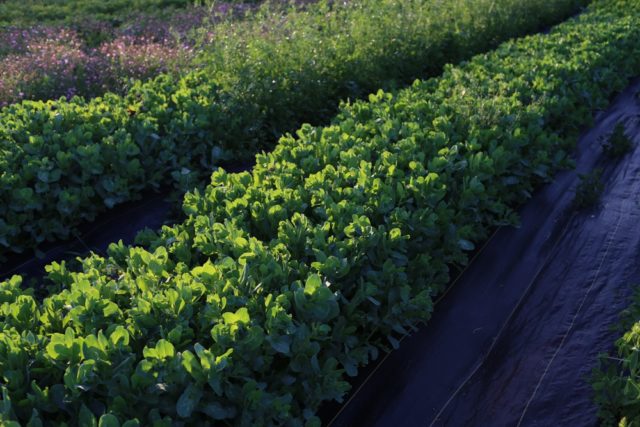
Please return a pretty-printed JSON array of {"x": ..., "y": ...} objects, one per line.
[
  {"x": 617, "y": 375},
  {"x": 618, "y": 144},
  {"x": 589, "y": 190}
]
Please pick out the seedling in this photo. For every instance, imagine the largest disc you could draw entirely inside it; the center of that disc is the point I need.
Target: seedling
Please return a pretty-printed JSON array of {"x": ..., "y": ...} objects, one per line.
[
  {"x": 589, "y": 190},
  {"x": 618, "y": 144}
]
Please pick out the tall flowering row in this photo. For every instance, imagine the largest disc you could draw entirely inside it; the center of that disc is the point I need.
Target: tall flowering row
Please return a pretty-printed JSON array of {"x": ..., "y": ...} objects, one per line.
[
  {"x": 94, "y": 57},
  {"x": 51, "y": 68}
]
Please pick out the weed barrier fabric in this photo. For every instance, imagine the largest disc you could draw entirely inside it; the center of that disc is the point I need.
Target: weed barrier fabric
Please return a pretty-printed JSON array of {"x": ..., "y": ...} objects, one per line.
[
  {"x": 120, "y": 223},
  {"x": 515, "y": 339}
]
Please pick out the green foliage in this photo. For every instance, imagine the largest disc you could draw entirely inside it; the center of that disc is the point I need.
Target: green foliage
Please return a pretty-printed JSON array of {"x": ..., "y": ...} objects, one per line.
[
  {"x": 64, "y": 162},
  {"x": 28, "y": 12},
  {"x": 618, "y": 144},
  {"x": 589, "y": 189},
  {"x": 284, "y": 280},
  {"x": 616, "y": 380}
]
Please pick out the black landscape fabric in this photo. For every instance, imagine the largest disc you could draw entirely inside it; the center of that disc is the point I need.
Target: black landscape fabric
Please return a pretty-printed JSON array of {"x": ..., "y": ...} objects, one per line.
[
  {"x": 120, "y": 223},
  {"x": 123, "y": 222}
]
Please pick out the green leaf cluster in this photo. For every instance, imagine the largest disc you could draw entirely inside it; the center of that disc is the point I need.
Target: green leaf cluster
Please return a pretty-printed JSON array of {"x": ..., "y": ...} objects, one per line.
[
  {"x": 616, "y": 380},
  {"x": 589, "y": 189},
  {"x": 618, "y": 143}
]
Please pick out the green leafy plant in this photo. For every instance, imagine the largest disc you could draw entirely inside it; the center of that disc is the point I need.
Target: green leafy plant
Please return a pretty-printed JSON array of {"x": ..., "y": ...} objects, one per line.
[
  {"x": 589, "y": 189},
  {"x": 616, "y": 379},
  {"x": 618, "y": 144}
]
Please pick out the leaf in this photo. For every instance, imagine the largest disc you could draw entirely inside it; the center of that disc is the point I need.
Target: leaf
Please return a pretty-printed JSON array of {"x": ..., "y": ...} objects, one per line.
[
  {"x": 313, "y": 283},
  {"x": 86, "y": 417},
  {"x": 313, "y": 422},
  {"x": 163, "y": 349},
  {"x": 240, "y": 316},
  {"x": 5, "y": 404},
  {"x": 374, "y": 301},
  {"x": 110, "y": 309},
  {"x": 108, "y": 420},
  {"x": 188, "y": 401},
  {"x": 280, "y": 343},
  {"x": 350, "y": 366},
  {"x": 466, "y": 245},
  {"x": 394, "y": 342},
  {"x": 192, "y": 366},
  {"x": 35, "y": 420},
  {"x": 218, "y": 412},
  {"x": 119, "y": 337},
  {"x": 56, "y": 348},
  {"x": 57, "y": 394}
]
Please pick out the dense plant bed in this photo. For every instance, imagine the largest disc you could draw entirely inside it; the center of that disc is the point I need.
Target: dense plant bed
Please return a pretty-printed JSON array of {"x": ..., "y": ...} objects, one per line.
[
  {"x": 616, "y": 381},
  {"x": 63, "y": 162},
  {"x": 285, "y": 279}
]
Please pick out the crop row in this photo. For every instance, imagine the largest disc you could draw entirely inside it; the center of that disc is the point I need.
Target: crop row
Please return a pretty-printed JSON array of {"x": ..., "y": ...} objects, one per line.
[
  {"x": 284, "y": 280},
  {"x": 62, "y": 162}
]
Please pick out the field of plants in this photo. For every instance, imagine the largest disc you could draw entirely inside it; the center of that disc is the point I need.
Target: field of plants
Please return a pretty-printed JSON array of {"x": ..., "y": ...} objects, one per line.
[{"x": 361, "y": 192}]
